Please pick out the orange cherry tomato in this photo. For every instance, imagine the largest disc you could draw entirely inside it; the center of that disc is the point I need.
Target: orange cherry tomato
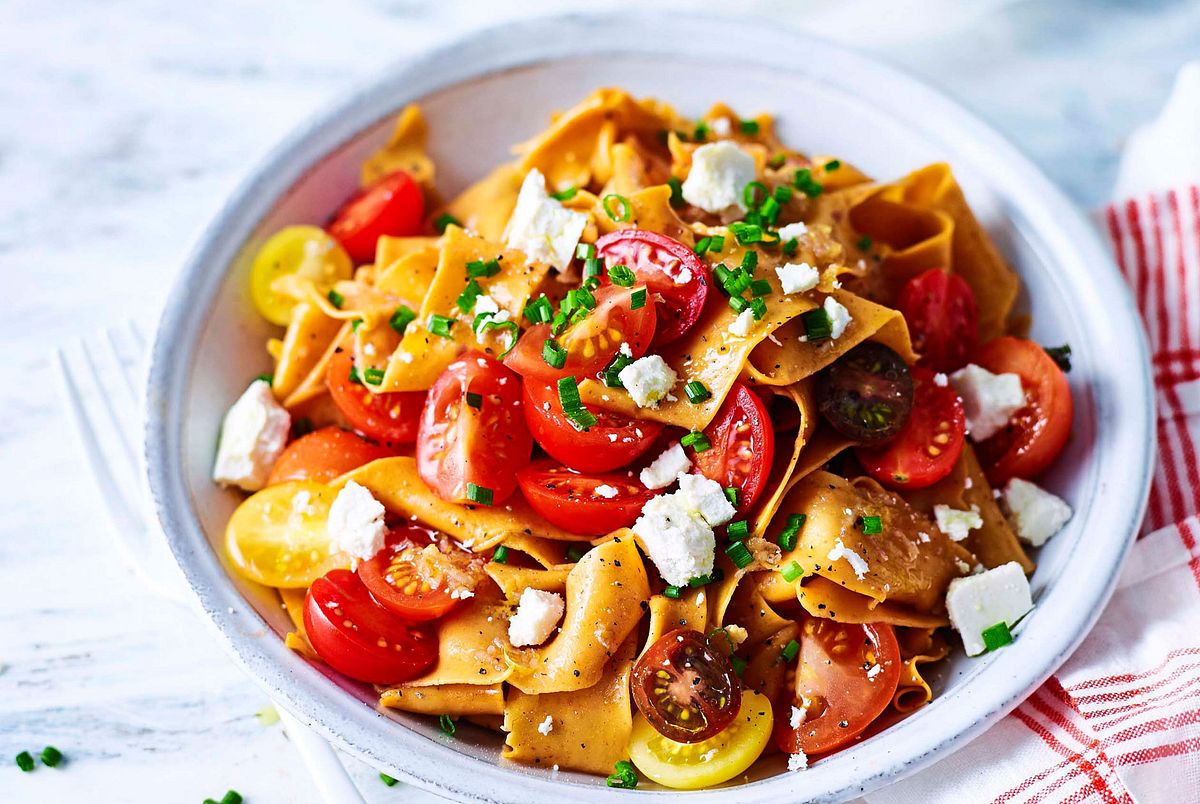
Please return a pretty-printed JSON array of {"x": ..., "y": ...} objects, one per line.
[{"x": 325, "y": 454}]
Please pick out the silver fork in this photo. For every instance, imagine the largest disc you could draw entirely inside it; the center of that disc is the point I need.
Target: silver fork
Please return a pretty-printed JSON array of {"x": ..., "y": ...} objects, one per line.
[{"x": 99, "y": 378}]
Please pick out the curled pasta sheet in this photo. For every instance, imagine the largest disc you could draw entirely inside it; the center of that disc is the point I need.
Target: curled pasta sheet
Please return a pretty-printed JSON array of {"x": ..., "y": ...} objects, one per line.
[
  {"x": 967, "y": 487},
  {"x": 749, "y": 609},
  {"x": 396, "y": 484},
  {"x": 309, "y": 334},
  {"x": 293, "y": 602},
  {"x": 405, "y": 150},
  {"x": 514, "y": 580},
  {"x": 313, "y": 384},
  {"x": 918, "y": 646},
  {"x": 607, "y": 593},
  {"x": 689, "y": 610},
  {"x": 822, "y": 597},
  {"x": 585, "y": 729},
  {"x": 547, "y": 552},
  {"x": 485, "y": 206},
  {"x": 406, "y": 266},
  {"x": 765, "y": 673},
  {"x": 456, "y": 700},
  {"x": 786, "y": 461},
  {"x": 422, "y": 355},
  {"x": 472, "y": 642}
]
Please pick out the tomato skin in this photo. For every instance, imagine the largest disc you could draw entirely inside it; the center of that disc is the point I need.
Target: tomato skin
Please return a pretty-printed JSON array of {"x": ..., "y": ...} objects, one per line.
[
  {"x": 942, "y": 317},
  {"x": 568, "y": 499},
  {"x": 339, "y": 597},
  {"x": 928, "y": 446},
  {"x": 593, "y": 450},
  {"x": 1037, "y": 433},
  {"x": 832, "y": 675},
  {"x": 682, "y": 673},
  {"x": 592, "y": 343},
  {"x": 657, "y": 260},
  {"x": 867, "y": 394},
  {"x": 459, "y": 444},
  {"x": 391, "y": 205},
  {"x": 388, "y": 573},
  {"x": 325, "y": 454},
  {"x": 743, "y": 445},
  {"x": 390, "y": 417}
]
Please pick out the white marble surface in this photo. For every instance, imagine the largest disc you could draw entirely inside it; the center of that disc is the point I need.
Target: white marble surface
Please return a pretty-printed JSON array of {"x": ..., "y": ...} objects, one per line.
[{"x": 123, "y": 125}]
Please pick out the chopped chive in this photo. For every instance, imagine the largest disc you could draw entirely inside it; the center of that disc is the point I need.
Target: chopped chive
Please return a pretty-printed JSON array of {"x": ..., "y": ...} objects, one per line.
[
  {"x": 739, "y": 554},
  {"x": 746, "y": 233},
  {"x": 231, "y": 797},
  {"x": 624, "y": 209},
  {"x": 612, "y": 372},
  {"x": 403, "y": 316},
  {"x": 732, "y": 495},
  {"x": 870, "y": 524},
  {"x": 736, "y": 282},
  {"x": 805, "y": 183},
  {"x": 475, "y": 400},
  {"x": 754, "y": 194},
  {"x": 581, "y": 417},
  {"x": 792, "y": 571},
  {"x": 833, "y": 164},
  {"x": 672, "y": 592},
  {"x": 565, "y": 195},
  {"x": 440, "y": 325},
  {"x": 373, "y": 376},
  {"x": 738, "y": 303},
  {"x": 388, "y": 780},
  {"x": 737, "y": 663},
  {"x": 500, "y": 555},
  {"x": 789, "y": 248},
  {"x": 585, "y": 251},
  {"x": 559, "y": 322},
  {"x": 269, "y": 379},
  {"x": 592, "y": 268},
  {"x": 738, "y": 530},
  {"x": 574, "y": 553},
  {"x": 479, "y": 268},
  {"x": 676, "y": 191},
  {"x": 444, "y": 220},
  {"x": 539, "y": 311},
  {"x": 336, "y": 299},
  {"x": 554, "y": 355},
  {"x": 997, "y": 636},
  {"x": 782, "y": 194},
  {"x": 466, "y": 299},
  {"x": 479, "y": 494},
  {"x": 723, "y": 274},
  {"x": 696, "y": 392},
  {"x": 864, "y": 243},
  {"x": 1061, "y": 355},
  {"x": 701, "y": 132},
  {"x": 568, "y": 398},
  {"x": 702, "y": 245},
  {"x": 446, "y": 725},
  {"x": 776, "y": 161},
  {"x": 749, "y": 261},
  {"x": 760, "y": 287},
  {"x": 355, "y": 377},
  {"x": 718, "y": 244},
  {"x": 769, "y": 211},
  {"x": 748, "y": 126},
  {"x": 788, "y": 536},
  {"x": 355, "y": 324},
  {"x": 759, "y": 308},
  {"x": 621, "y": 275},
  {"x": 483, "y": 323},
  {"x": 790, "y": 650},
  {"x": 700, "y": 580},
  {"x": 25, "y": 761},
  {"x": 637, "y": 299},
  {"x": 817, "y": 325},
  {"x": 624, "y": 777},
  {"x": 697, "y": 441}
]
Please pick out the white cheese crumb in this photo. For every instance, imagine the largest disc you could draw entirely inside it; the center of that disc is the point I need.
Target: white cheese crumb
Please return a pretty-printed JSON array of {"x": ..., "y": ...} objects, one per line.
[
  {"x": 798, "y": 277},
  {"x": 798, "y": 761},
  {"x": 625, "y": 349},
  {"x": 797, "y": 716},
  {"x": 839, "y": 317},
  {"x": 873, "y": 671},
  {"x": 978, "y": 602},
  {"x": 546, "y": 726},
  {"x": 741, "y": 325},
  {"x": 857, "y": 563},
  {"x": 541, "y": 227},
  {"x": 737, "y": 634},
  {"x": 989, "y": 400},
  {"x": 707, "y": 498},
  {"x": 941, "y": 380},
  {"x": 355, "y": 523},
  {"x": 606, "y": 491},
  {"x": 253, "y": 435},
  {"x": 719, "y": 173},
  {"x": 665, "y": 468},
  {"x": 955, "y": 523},
  {"x": 648, "y": 379},
  {"x": 676, "y": 538},
  {"x": 536, "y": 615},
  {"x": 721, "y": 127},
  {"x": 793, "y": 231},
  {"x": 485, "y": 304},
  {"x": 1035, "y": 514}
]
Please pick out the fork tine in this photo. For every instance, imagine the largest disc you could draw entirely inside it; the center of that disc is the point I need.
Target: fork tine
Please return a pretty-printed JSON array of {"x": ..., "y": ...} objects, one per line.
[
  {"x": 113, "y": 354},
  {"x": 136, "y": 332},
  {"x": 123, "y": 436}
]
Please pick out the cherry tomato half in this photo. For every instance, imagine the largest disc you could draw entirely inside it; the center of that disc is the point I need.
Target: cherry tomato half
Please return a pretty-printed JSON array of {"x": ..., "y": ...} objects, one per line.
[
  {"x": 325, "y": 454},
  {"x": 743, "y": 445},
  {"x": 942, "y": 317},
  {"x": 685, "y": 687},
  {"x": 591, "y": 343},
  {"x": 590, "y": 505},
  {"x": 612, "y": 442},
  {"x": 671, "y": 271},
  {"x": 460, "y": 443},
  {"x": 355, "y": 635},
  {"x": 837, "y": 686},
  {"x": 391, "y": 205},
  {"x": 391, "y": 417},
  {"x": 1037, "y": 433},
  {"x": 393, "y": 578},
  {"x": 926, "y": 450},
  {"x": 867, "y": 394}
]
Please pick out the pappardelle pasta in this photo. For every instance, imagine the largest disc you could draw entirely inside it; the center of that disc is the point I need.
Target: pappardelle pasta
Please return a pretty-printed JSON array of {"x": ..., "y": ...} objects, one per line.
[{"x": 661, "y": 449}]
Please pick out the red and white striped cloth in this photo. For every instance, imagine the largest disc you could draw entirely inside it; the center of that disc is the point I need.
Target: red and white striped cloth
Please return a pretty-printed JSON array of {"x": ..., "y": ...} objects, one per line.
[{"x": 1120, "y": 721}]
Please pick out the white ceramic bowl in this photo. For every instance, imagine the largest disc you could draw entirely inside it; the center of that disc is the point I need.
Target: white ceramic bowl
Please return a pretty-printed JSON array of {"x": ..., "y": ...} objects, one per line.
[{"x": 494, "y": 88}]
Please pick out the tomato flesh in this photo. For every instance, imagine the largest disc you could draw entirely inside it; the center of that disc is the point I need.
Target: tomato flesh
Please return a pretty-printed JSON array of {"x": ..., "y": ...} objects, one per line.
[
  {"x": 394, "y": 580},
  {"x": 942, "y": 318},
  {"x": 392, "y": 205},
  {"x": 1038, "y": 432},
  {"x": 388, "y": 417},
  {"x": 325, "y": 454},
  {"x": 612, "y": 442},
  {"x": 460, "y": 444},
  {"x": 928, "y": 446},
  {"x": 356, "y": 636},
  {"x": 673, "y": 273},
  {"x": 743, "y": 445},
  {"x": 685, "y": 688},
  {"x": 837, "y": 686},
  {"x": 574, "y": 501},
  {"x": 867, "y": 394}
]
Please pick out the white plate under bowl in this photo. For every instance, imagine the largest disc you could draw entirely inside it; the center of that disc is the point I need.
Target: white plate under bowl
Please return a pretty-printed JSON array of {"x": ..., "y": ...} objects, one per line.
[{"x": 495, "y": 88}]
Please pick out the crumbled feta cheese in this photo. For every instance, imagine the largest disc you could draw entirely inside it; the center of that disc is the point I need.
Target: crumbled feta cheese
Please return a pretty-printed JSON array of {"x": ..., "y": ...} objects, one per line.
[
  {"x": 941, "y": 380},
  {"x": 536, "y": 615},
  {"x": 741, "y": 325},
  {"x": 541, "y": 226},
  {"x": 721, "y": 127},
  {"x": 989, "y": 400},
  {"x": 1035, "y": 513},
  {"x": 798, "y": 277},
  {"x": 839, "y": 317},
  {"x": 662, "y": 472},
  {"x": 978, "y": 602},
  {"x": 857, "y": 563},
  {"x": 355, "y": 522},
  {"x": 720, "y": 171},
  {"x": 736, "y": 634},
  {"x": 626, "y": 349},
  {"x": 797, "y": 716},
  {"x": 707, "y": 498},
  {"x": 648, "y": 379},
  {"x": 955, "y": 523},
  {"x": 793, "y": 231},
  {"x": 606, "y": 491},
  {"x": 546, "y": 726},
  {"x": 485, "y": 304},
  {"x": 798, "y": 761},
  {"x": 873, "y": 671},
  {"x": 677, "y": 539},
  {"x": 253, "y": 435}
]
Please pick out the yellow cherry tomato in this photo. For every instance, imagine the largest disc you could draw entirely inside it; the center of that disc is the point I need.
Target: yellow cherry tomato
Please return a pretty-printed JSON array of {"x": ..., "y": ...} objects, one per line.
[
  {"x": 279, "y": 536},
  {"x": 690, "y": 766},
  {"x": 304, "y": 250}
]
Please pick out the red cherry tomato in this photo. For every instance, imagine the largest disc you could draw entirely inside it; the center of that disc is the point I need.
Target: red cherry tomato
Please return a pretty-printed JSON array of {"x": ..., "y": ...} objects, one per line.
[
  {"x": 671, "y": 271},
  {"x": 838, "y": 685},
  {"x": 686, "y": 689},
  {"x": 394, "y": 580},
  {"x": 942, "y": 317},
  {"x": 391, "y": 418},
  {"x": 459, "y": 443},
  {"x": 743, "y": 445},
  {"x": 928, "y": 446},
  {"x": 1037, "y": 433},
  {"x": 325, "y": 454},
  {"x": 590, "y": 344},
  {"x": 392, "y": 205},
  {"x": 612, "y": 442},
  {"x": 575, "y": 502},
  {"x": 354, "y": 635}
]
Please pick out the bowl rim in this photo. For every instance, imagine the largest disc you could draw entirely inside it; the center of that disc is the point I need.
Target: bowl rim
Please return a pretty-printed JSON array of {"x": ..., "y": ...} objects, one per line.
[{"x": 341, "y": 718}]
